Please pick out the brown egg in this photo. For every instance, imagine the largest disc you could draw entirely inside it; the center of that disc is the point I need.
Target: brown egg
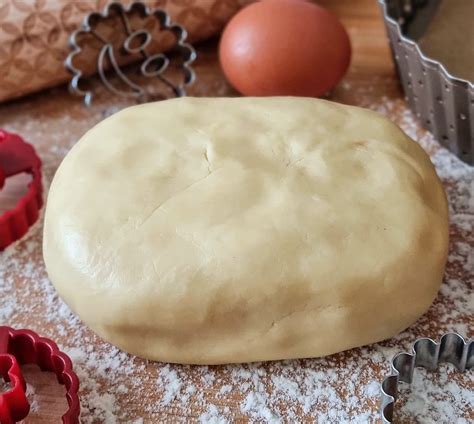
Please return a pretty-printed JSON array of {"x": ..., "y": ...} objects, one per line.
[{"x": 284, "y": 47}]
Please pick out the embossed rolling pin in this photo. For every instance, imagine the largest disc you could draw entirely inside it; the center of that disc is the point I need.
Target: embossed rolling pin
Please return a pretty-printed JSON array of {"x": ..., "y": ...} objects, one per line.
[{"x": 34, "y": 37}]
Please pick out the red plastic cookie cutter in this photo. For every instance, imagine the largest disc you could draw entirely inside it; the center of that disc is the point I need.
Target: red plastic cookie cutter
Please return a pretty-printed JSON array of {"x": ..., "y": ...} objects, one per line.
[
  {"x": 18, "y": 347},
  {"x": 17, "y": 156}
]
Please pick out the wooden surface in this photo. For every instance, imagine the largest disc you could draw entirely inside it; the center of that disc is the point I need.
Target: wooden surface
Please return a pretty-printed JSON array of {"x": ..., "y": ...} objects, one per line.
[{"x": 119, "y": 388}]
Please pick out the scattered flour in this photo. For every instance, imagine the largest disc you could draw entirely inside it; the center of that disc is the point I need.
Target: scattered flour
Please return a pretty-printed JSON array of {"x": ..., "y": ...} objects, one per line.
[
  {"x": 31, "y": 394},
  {"x": 212, "y": 416},
  {"x": 171, "y": 382}
]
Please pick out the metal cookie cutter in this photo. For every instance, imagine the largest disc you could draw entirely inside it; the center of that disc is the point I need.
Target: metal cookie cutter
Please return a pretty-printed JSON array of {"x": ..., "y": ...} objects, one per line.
[
  {"x": 16, "y": 157},
  {"x": 19, "y": 347},
  {"x": 428, "y": 354},
  {"x": 134, "y": 48}
]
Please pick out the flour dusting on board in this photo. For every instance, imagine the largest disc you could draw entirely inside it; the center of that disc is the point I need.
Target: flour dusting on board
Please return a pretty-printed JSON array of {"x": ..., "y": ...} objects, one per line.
[{"x": 116, "y": 387}]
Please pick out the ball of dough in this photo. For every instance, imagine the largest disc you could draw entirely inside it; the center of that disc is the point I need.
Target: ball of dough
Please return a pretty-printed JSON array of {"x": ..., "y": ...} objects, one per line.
[{"x": 211, "y": 231}]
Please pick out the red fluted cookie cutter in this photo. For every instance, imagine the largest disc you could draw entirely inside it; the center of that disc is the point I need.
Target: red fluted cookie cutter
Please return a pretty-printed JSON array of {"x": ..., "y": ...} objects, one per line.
[
  {"x": 16, "y": 157},
  {"x": 18, "y": 347}
]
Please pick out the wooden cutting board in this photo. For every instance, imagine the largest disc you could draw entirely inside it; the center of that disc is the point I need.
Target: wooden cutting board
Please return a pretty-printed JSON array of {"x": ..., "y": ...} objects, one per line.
[{"x": 116, "y": 387}]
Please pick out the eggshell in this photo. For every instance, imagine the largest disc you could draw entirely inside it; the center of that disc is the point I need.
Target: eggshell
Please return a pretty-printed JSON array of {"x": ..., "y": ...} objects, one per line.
[{"x": 284, "y": 47}]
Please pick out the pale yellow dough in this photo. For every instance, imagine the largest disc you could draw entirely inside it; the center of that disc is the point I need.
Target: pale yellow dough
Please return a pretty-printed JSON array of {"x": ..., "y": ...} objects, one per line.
[{"x": 210, "y": 231}]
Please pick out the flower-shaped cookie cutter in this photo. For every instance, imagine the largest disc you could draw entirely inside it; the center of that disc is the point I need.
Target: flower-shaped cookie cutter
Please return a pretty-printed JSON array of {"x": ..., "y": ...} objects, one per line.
[
  {"x": 428, "y": 354},
  {"x": 18, "y": 347},
  {"x": 16, "y": 157},
  {"x": 136, "y": 43}
]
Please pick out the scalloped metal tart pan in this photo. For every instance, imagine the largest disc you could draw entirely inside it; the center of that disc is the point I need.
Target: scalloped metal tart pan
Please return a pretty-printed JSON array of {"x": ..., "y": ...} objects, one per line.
[{"x": 443, "y": 103}]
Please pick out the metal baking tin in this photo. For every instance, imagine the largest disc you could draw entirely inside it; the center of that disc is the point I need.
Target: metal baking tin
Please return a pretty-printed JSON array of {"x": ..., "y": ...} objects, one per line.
[
  {"x": 443, "y": 103},
  {"x": 428, "y": 354}
]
